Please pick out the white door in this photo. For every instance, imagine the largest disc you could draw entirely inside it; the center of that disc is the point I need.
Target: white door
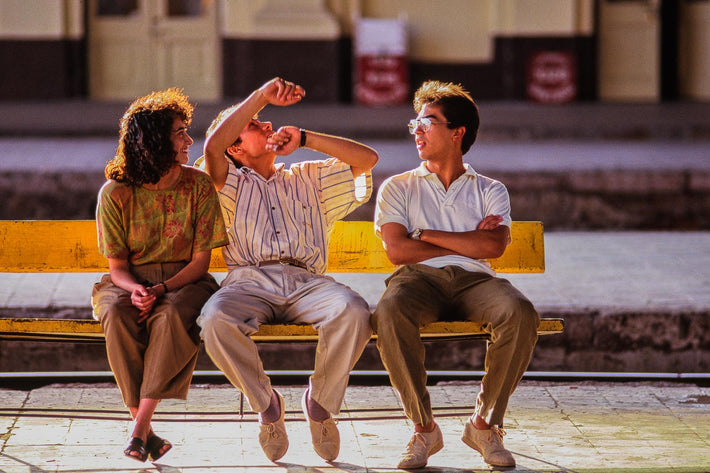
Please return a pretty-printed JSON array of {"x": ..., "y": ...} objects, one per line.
[
  {"x": 629, "y": 50},
  {"x": 137, "y": 46}
]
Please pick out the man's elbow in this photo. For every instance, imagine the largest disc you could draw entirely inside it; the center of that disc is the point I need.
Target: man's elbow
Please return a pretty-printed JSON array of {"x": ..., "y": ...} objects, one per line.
[
  {"x": 372, "y": 159},
  {"x": 396, "y": 257},
  {"x": 212, "y": 149},
  {"x": 497, "y": 249},
  {"x": 397, "y": 261}
]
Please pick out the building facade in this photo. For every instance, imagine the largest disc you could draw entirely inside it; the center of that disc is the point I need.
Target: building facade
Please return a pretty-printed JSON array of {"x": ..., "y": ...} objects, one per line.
[{"x": 540, "y": 50}]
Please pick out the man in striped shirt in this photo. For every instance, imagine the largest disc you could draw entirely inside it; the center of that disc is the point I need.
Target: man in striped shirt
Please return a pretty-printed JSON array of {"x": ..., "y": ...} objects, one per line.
[{"x": 279, "y": 222}]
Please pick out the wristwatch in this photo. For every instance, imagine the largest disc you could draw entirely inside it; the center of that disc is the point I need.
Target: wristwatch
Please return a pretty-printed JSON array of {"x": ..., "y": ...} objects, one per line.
[{"x": 416, "y": 234}]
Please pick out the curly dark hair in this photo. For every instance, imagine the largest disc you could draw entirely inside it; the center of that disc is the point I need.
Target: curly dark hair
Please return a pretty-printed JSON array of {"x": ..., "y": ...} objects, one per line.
[
  {"x": 457, "y": 105},
  {"x": 145, "y": 152}
]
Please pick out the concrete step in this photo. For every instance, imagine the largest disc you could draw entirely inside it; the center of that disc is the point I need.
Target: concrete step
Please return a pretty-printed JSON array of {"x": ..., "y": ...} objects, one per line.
[
  {"x": 654, "y": 199},
  {"x": 499, "y": 120}
]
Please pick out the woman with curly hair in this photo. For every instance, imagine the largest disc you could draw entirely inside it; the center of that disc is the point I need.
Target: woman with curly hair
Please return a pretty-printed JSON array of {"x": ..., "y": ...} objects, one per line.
[{"x": 157, "y": 221}]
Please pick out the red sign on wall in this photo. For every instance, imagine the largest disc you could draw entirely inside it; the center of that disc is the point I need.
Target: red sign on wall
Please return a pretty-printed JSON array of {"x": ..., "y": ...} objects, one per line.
[
  {"x": 381, "y": 75},
  {"x": 381, "y": 80},
  {"x": 552, "y": 77}
]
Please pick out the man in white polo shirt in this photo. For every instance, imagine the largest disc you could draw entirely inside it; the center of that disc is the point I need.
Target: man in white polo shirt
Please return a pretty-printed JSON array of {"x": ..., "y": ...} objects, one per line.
[
  {"x": 279, "y": 222},
  {"x": 440, "y": 222}
]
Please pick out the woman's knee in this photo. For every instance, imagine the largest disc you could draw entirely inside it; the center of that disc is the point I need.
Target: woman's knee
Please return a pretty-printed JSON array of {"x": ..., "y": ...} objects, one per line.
[
  {"x": 115, "y": 312},
  {"x": 172, "y": 317}
]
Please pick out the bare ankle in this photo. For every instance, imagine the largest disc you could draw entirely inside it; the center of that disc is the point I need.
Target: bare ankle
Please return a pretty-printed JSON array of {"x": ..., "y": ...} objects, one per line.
[
  {"x": 480, "y": 424},
  {"x": 273, "y": 412},
  {"x": 315, "y": 411},
  {"x": 425, "y": 429}
]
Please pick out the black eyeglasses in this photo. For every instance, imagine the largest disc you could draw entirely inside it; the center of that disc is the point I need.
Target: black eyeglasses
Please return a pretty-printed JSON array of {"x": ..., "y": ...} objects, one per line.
[{"x": 423, "y": 123}]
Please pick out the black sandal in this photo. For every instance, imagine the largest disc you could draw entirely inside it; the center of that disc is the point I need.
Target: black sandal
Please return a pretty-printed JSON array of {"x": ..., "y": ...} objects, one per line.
[
  {"x": 136, "y": 445},
  {"x": 154, "y": 446}
]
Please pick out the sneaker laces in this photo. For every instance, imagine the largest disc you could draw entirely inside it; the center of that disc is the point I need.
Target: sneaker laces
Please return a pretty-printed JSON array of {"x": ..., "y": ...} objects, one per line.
[
  {"x": 324, "y": 428},
  {"x": 498, "y": 433},
  {"x": 271, "y": 430}
]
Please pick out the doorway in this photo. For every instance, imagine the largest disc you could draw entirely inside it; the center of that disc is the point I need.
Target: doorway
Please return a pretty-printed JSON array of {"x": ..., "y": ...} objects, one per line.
[
  {"x": 654, "y": 50},
  {"x": 694, "y": 44},
  {"x": 137, "y": 46},
  {"x": 629, "y": 52}
]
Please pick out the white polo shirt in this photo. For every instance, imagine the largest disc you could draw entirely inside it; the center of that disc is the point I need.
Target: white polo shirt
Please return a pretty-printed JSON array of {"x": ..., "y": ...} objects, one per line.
[{"x": 418, "y": 199}]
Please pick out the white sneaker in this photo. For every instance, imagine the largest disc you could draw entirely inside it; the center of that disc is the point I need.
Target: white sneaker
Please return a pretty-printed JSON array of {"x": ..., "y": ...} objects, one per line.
[
  {"x": 325, "y": 435},
  {"x": 421, "y": 446},
  {"x": 489, "y": 443},
  {"x": 272, "y": 436}
]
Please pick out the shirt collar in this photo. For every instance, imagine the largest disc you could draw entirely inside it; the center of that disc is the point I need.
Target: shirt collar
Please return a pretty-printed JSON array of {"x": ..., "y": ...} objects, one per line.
[
  {"x": 279, "y": 168},
  {"x": 422, "y": 170}
]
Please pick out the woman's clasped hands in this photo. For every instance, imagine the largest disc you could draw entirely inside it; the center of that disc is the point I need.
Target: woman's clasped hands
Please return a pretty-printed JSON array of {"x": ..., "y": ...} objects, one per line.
[{"x": 143, "y": 298}]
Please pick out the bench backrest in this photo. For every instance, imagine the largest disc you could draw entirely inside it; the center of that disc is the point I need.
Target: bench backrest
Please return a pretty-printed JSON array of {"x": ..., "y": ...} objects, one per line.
[{"x": 66, "y": 246}]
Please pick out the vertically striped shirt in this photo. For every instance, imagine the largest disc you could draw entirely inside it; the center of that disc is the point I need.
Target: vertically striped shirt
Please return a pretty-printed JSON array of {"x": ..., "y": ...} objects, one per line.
[{"x": 289, "y": 215}]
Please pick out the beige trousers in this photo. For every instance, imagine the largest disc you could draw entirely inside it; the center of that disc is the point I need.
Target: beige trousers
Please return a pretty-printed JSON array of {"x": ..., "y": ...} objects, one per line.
[
  {"x": 418, "y": 294},
  {"x": 251, "y": 296},
  {"x": 154, "y": 359}
]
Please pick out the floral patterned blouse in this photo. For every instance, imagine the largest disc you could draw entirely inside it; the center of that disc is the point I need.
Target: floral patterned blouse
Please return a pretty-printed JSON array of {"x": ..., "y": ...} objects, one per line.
[{"x": 160, "y": 226}]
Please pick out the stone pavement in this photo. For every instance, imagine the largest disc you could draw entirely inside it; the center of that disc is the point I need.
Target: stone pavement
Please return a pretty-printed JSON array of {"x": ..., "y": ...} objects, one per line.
[{"x": 551, "y": 427}]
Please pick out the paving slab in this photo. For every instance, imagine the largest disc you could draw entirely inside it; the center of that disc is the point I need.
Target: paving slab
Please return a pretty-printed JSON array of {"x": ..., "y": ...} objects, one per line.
[{"x": 550, "y": 427}]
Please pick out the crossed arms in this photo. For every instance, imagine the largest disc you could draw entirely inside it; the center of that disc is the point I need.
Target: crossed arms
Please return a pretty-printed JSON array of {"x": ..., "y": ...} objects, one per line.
[{"x": 488, "y": 241}]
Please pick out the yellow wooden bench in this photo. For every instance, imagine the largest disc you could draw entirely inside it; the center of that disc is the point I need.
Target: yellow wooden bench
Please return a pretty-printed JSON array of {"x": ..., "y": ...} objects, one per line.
[{"x": 68, "y": 246}]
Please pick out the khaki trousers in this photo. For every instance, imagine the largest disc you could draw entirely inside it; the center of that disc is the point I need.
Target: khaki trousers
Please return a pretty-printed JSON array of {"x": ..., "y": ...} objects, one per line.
[
  {"x": 251, "y": 296},
  {"x": 154, "y": 359},
  {"x": 418, "y": 294}
]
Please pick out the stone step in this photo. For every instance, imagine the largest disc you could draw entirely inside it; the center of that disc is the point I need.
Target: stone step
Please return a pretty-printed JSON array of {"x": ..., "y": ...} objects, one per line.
[{"x": 564, "y": 200}]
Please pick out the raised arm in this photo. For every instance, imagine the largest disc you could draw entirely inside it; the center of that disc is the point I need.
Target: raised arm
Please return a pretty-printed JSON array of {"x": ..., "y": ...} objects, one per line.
[
  {"x": 275, "y": 92},
  {"x": 360, "y": 157}
]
